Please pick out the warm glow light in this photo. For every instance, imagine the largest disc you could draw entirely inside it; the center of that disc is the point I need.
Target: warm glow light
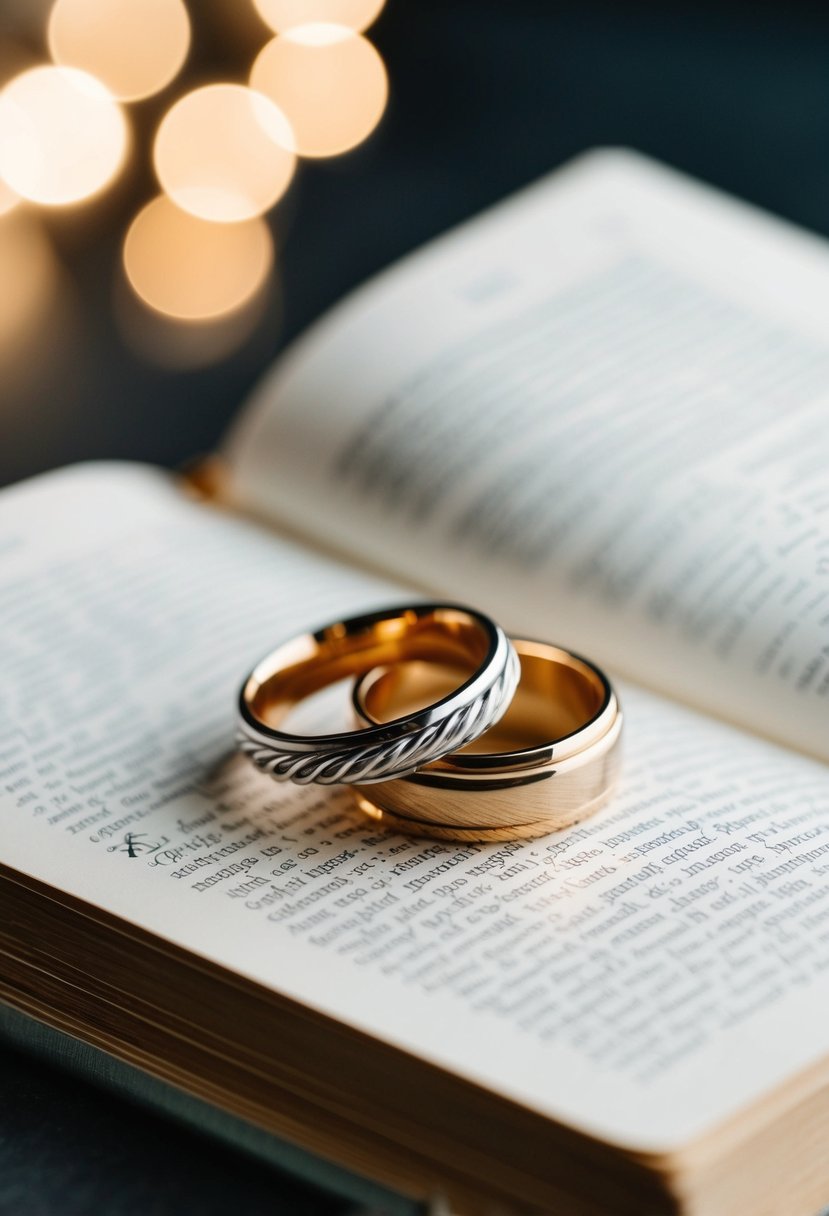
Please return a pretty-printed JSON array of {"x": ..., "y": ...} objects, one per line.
[
  {"x": 134, "y": 47},
  {"x": 8, "y": 198},
  {"x": 62, "y": 137},
  {"x": 282, "y": 15},
  {"x": 28, "y": 274},
  {"x": 329, "y": 81},
  {"x": 193, "y": 269},
  {"x": 173, "y": 343},
  {"x": 224, "y": 153}
]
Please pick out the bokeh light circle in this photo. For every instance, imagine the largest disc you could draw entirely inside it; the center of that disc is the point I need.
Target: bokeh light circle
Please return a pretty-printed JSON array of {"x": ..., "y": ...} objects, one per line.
[
  {"x": 193, "y": 269},
  {"x": 330, "y": 83},
  {"x": 282, "y": 15},
  {"x": 8, "y": 198},
  {"x": 134, "y": 47},
  {"x": 62, "y": 137},
  {"x": 224, "y": 153}
]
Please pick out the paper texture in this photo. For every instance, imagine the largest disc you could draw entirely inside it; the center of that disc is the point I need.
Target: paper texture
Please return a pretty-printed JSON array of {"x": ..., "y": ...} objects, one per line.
[
  {"x": 599, "y": 411},
  {"x": 643, "y": 975}
]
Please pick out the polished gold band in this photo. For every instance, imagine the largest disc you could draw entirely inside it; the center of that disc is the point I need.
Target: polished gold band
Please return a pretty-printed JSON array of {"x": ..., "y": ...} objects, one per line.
[
  {"x": 441, "y": 633},
  {"x": 552, "y": 760}
]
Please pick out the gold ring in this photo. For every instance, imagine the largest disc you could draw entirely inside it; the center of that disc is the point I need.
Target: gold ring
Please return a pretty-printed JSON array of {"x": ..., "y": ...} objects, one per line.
[
  {"x": 552, "y": 760},
  {"x": 442, "y": 633}
]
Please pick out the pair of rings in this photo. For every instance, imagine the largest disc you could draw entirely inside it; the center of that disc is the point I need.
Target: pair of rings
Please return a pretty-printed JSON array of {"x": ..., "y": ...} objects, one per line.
[{"x": 462, "y": 733}]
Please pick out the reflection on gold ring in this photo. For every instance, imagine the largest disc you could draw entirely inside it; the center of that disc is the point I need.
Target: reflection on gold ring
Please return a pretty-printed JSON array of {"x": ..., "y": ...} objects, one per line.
[{"x": 552, "y": 759}]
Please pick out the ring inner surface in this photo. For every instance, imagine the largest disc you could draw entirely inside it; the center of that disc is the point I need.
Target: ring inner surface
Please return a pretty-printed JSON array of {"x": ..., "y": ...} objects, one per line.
[
  {"x": 555, "y": 698},
  {"x": 447, "y": 637}
]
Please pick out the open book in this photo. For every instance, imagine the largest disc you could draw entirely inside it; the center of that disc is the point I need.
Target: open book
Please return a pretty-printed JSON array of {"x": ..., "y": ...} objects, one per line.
[{"x": 600, "y": 413}]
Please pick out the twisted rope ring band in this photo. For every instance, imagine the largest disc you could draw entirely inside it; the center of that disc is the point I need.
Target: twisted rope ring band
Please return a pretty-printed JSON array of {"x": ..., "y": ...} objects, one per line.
[{"x": 440, "y": 633}]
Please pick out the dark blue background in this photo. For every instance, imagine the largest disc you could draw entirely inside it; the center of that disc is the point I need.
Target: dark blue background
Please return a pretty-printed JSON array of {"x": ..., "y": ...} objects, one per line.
[{"x": 485, "y": 97}]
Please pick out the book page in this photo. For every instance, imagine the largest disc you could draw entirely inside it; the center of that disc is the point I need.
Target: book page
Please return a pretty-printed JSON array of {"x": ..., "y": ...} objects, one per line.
[
  {"x": 644, "y": 974},
  {"x": 600, "y": 411}
]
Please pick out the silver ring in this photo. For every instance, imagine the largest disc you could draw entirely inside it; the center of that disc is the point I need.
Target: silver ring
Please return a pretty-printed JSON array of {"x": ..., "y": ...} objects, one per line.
[{"x": 443, "y": 633}]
